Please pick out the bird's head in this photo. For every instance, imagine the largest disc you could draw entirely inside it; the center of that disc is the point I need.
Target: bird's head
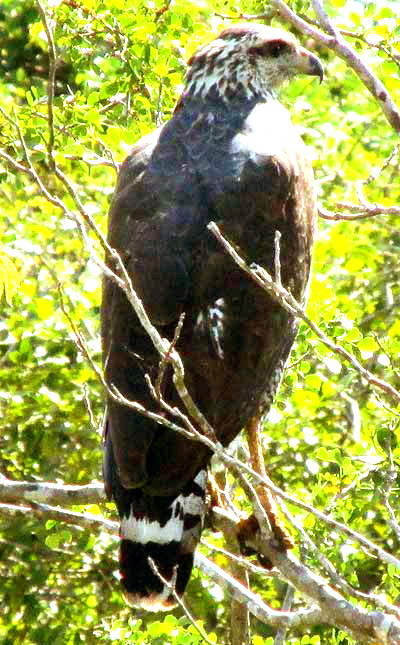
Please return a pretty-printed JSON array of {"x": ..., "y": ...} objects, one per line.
[{"x": 250, "y": 61}]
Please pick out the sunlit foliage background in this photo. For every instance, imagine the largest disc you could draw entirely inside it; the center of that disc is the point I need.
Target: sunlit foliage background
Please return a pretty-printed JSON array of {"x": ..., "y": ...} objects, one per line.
[{"x": 119, "y": 73}]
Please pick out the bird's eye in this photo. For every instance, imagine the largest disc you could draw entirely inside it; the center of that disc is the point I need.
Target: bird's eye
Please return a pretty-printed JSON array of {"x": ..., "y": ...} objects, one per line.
[
  {"x": 271, "y": 49},
  {"x": 276, "y": 49}
]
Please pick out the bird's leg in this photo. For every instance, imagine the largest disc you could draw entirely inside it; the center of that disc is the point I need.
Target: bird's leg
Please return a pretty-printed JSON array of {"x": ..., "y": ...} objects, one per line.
[
  {"x": 215, "y": 493},
  {"x": 265, "y": 496}
]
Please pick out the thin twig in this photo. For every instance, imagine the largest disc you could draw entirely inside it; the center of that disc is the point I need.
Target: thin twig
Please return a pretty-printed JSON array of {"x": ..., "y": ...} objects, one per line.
[
  {"x": 277, "y": 259},
  {"x": 391, "y": 475},
  {"x": 165, "y": 359},
  {"x": 280, "y": 635},
  {"x": 81, "y": 217},
  {"x": 369, "y": 209},
  {"x": 52, "y": 163},
  {"x": 50, "y": 84},
  {"x": 356, "y": 213},
  {"x": 90, "y": 410},
  {"x": 171, "y": 586},
  {"x": 239, "y": 560}
]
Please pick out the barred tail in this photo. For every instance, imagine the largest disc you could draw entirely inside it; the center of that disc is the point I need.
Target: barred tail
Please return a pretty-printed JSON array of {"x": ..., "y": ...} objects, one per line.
[{"x": 159, "y": 535}]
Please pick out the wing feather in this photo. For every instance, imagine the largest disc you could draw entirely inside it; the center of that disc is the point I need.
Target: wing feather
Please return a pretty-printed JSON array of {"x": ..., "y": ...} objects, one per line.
[{"x": 203, "y": 166}]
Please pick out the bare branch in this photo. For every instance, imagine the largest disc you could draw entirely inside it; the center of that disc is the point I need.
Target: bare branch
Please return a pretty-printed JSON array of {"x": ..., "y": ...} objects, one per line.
[
  {"x": 79, "y": 217},
  {"x": 165, "y": 359},
  {"x": 29, "y": 492},
  {"x": 240, "y": 467},
  {"x": 280, "y": 636},
  {"x": 260, "y": 17},
  {"x": 356, "y": 212},
  {"x": 391, "y": 476},
  {"x": 337, "y": 580},
  {"x": 30, "y": 170},
  {"x": 85, "y": 520},
  {"x": 241, "y": 561},
  {"x": 372, "y": 627},
  {"x": 265, "y": 497},
  {"x": 188, "y": 431},
  {"x": 368, "y": 41},
  {"x": 277, "y": 259},
  {"x": 171, "y": 586},
  {"x": 302, "y": 25},
  {"x": 370, "y": 80},
  {"x": 17, "y": 492},
  {"x": 368, "y": 210},
  {"x": 254, "y": 604},
  {"x": 376, "y": 173},
  {"x": 239, "y": 619},
  {"x": 368, "y": 627},
  {"x": 87, "y": 218},
  {"x": 191, "y": 432},
  {"x": 162, "y": 345},
  {"x": 93, "y": 162},
  {"x": 51, "y": 82}
]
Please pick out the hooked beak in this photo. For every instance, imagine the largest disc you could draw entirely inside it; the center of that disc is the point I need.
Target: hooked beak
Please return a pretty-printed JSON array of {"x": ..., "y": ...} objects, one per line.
[{"x": 309, "y": 64}]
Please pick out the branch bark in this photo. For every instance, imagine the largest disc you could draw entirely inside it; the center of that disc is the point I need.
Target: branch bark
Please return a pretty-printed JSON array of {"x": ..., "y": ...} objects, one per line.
[
  {"x": 369, "y": 627},
  {"x": 17, "y": 492}
]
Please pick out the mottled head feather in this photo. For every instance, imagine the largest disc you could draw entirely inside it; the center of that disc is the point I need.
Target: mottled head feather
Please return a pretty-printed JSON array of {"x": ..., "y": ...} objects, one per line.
[{"x": 246, "y": 62}]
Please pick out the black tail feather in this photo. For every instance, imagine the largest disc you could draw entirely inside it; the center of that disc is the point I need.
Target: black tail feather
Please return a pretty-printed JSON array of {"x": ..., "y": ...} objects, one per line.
[
  {"x": 142, "y": 586},
  {"x": 159, "y": 536},
  {"x": 158, "y": 540}
]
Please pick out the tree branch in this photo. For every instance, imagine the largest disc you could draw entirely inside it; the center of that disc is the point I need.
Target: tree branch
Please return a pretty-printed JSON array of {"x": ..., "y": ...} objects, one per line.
[
  {"x": 357, "y": 212},
  {"x": 253, "y": 602},
  {"x": 369, "y": 627},
  {"x": 372, "y": 627},
  {"x": 85, "y": 520},
  {"x": 333, "y": 608},
  {"x": 15, "y": 492}
]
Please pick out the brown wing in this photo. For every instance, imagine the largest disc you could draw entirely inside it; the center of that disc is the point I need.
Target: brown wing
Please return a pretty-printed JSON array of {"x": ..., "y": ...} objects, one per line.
[
  {"x": 235, "y": 339},
  {"x": 155, "y": 219}
]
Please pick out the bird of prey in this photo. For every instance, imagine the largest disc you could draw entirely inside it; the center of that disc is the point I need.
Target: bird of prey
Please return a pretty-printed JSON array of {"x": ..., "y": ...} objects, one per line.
[{"x": 231, "y": 155}]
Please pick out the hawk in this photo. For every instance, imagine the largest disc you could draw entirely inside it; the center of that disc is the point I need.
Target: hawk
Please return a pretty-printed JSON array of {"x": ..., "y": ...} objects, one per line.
[{"x": 231, "y": 155}]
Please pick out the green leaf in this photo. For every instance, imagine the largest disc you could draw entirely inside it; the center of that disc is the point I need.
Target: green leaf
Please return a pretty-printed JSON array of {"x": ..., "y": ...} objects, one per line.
[
  {"x": 386, "y": 439},
  {"x": 368, "y": 344},
  {"x": 9, "y": 278},
  {"x": 313, "y": 380},
  {"x": 44, "y": 308},
  {"x": 93, "y": 116}
]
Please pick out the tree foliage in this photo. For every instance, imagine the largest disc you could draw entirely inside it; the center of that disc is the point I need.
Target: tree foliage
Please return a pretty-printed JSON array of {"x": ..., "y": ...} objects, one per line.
[{"x": 331, "y": 439}]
